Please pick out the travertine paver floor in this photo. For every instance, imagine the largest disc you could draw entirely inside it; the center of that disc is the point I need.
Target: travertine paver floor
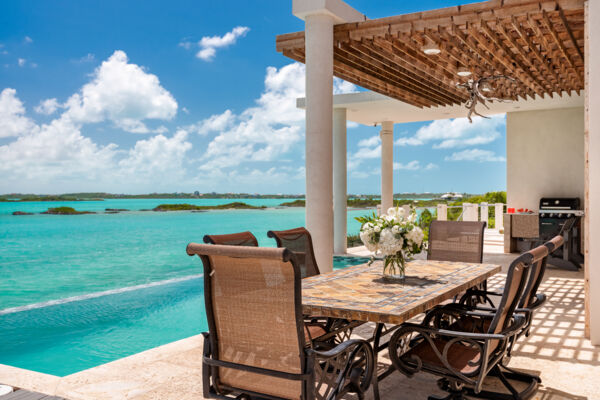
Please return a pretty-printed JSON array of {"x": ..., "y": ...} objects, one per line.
[{"x": 568, "y": 364}]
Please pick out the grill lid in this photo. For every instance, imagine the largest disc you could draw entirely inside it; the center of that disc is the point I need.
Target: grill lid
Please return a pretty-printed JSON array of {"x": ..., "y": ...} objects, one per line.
[{"x": 559, "y": 203}]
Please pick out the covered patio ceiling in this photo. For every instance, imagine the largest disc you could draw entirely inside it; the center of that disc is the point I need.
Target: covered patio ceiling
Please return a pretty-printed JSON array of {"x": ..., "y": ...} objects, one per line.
[{"x": 538, "y": 43}]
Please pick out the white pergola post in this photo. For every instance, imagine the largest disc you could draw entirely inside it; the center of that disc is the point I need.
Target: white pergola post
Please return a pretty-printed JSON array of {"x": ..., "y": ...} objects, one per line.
[
  {"x": 340, "y": 218},
  {"x": 592, "y": 168},
  {"x": 387, "y": 165},
  {"x": 319, "y": 17}
]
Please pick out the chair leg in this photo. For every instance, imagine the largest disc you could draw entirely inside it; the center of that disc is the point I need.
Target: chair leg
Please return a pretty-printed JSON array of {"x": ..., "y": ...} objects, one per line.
[
  {"x": 505, "y": 378},
  {"x": 519, "y": 375},
  {"x": 456, "y": 391}
]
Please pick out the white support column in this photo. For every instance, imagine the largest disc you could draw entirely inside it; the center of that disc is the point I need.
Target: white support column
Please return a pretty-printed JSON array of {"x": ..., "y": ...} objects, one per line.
[
  {"x": 499, "y": 215},
  {"x": 485, "y": 213},
  {"x": 387, "y": 165},
  {"x": 319, "y": 17},
  {"x": 319, "y": 140},
  {"x": 340, "y": 217},
  {"x": 442, "y": 212},
  {"x": 592, "y": 168}
]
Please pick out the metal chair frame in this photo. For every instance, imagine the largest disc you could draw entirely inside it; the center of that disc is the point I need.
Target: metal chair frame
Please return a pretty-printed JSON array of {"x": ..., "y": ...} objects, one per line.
[
  {"x": 326, "y": 375},
  {"x": 492, "y": 344}
]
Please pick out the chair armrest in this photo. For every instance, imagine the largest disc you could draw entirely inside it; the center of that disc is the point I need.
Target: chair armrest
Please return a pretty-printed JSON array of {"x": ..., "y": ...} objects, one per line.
[
  {"x": 455, "y": 310},
  {"x": 481, "y": 296},
  {"x": 339, "y": 349},
  {"x": 540, "y": 299},
  {"x": 486, "y": 292},
  {"x": 352, "y": 365}
]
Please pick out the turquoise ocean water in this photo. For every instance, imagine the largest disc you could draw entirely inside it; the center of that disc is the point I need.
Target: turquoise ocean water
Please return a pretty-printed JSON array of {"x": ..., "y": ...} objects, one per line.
[{"x": 78, "y": 291}]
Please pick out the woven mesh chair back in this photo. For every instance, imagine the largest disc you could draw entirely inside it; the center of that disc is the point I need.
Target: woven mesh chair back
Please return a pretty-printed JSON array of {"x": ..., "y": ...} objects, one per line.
[
  {"x": 456, "y": 241},
  {"x": 299, "y": 242},
  {"x": 516, "y": 279},
  {"x": 536, "y": 274},
  {"x": 253, "y": 304},
  {"x": 233, "y": 239}
]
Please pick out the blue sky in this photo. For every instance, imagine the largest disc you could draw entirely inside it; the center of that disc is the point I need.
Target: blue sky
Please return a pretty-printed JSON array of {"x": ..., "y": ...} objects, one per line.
[{"x": 145, "y": 96}]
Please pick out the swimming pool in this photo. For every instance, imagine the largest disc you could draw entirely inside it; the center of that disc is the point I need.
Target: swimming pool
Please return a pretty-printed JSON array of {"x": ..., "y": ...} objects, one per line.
[{"x": 73, "y": 334}]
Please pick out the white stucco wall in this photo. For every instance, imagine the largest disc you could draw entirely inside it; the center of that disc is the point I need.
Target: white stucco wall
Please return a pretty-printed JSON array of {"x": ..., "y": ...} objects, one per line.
[{"x": 545, "y": 156}]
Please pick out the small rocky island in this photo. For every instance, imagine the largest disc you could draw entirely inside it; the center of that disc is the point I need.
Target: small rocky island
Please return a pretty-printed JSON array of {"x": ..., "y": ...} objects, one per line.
[
  {"x": 21, "y": 213},
  {"x": 65, "y": 211},
  {"x": 191, "y": 207}
]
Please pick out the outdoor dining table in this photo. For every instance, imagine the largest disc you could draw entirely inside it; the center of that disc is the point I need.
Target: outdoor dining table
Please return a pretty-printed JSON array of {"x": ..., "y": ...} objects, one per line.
[{"x": 360, "y": 293}]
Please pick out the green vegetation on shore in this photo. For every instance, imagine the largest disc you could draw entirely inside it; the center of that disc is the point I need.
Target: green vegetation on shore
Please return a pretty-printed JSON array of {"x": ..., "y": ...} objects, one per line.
[
  {"x": 371, "y": 202},
  {"x": 98, "y": 196},
  {"x": 66, "y": 211},
  {"x": 191, "y": 207}
]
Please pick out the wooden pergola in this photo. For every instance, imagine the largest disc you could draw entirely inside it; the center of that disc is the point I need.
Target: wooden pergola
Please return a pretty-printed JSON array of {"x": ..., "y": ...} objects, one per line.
[{"x": 538, "y": 43}]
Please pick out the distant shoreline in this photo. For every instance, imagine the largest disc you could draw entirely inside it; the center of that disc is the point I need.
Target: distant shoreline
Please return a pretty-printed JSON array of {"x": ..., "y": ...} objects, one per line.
[{"x": 21, "y": 197}]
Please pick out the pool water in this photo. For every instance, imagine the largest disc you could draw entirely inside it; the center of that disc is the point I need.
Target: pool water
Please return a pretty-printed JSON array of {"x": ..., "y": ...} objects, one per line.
[{"x": 76, "y": 333}]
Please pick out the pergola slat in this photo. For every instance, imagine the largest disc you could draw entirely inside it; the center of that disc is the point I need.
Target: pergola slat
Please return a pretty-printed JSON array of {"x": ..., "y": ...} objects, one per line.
[
  {"x": 561, "y": 45},
  {"x": 538, "y": 43}
]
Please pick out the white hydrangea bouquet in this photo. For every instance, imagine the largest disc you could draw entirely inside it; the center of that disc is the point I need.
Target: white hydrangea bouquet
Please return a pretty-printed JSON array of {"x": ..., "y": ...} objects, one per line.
[{"x": 396, "y": 236}]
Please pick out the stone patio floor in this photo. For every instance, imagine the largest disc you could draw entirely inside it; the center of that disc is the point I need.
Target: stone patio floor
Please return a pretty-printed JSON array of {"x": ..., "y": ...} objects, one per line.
[{"x": 556, "y": 349}]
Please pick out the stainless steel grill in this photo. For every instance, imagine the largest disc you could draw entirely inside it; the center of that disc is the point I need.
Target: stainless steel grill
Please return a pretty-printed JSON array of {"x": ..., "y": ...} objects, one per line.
[{"x": 562, "y": 216}]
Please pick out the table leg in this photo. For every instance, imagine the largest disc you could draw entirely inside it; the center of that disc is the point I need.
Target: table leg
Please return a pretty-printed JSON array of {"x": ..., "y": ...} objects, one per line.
[{"x": 376, "y": 339}]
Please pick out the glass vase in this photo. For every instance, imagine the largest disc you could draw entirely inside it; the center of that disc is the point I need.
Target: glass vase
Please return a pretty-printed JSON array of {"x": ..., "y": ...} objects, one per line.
[{"x": 394, "y": 268}]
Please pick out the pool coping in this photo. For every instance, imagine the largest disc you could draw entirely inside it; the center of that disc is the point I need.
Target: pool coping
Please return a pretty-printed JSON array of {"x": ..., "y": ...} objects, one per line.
[{"x": 141, "y": 375}]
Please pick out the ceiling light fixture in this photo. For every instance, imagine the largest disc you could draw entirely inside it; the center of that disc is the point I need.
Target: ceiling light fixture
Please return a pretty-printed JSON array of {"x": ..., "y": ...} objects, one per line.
[
  {"x": 431, "y": 49},
  {"x": 463, "y": 71}
]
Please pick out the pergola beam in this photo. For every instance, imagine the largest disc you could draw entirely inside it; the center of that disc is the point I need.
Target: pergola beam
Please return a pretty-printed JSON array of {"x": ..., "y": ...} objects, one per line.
[{"x": 538, "y": 43}]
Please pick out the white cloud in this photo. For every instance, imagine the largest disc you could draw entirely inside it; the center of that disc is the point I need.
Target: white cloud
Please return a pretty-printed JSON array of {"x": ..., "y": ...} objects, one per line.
[
  {"x": 21, "y": 62},
  {"x": 475, "y": 155},
  {"x": 57, "y": 154},
  {"x": 123, "y": 93},
  {"x": 411, "y": 166},
  {"x": 27, "y": 39},
  {"x": 48, "y": 106},
  {"x": 266, "y": 131},
  {"x": 368, "y": 148},
  {"x": 458, "y": 132},
  {"x": 88, "y": 58},
  {"x": 414, "y": 165},
  {"x": 209, "y": 44},
  {"x": 157, "y": 156},
  {"x": 186, "y": 44},
  {"x": 370, "y": 142},
  {"x": 13, "y": 121},
  {"x": 214, "y": 123}
]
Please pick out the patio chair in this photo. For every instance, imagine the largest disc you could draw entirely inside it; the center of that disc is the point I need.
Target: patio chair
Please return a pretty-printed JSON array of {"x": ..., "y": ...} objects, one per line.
[
  {"x": 460, "y": 241},
  {"x": 531, "y": 300},
  {"x": 299, "y": 242},
  {"x": 456, "y": 241},
  {"x": 256, "y": 346},
  {"x": 233, "y": 239},
  {"x": 469, "y": 345}
]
